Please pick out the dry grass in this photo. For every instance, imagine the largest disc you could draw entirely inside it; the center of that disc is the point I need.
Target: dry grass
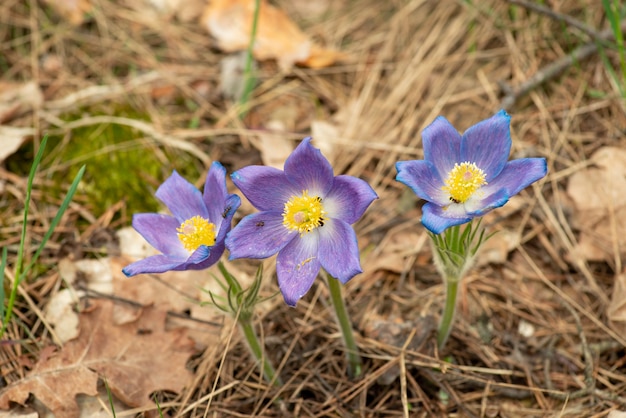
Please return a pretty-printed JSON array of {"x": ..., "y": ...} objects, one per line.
[{"x": 409, "y": 61}]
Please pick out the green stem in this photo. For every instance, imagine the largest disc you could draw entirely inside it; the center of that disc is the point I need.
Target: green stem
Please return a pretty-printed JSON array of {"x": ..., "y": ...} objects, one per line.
[
  {"x": 255, "y": 347},
  {"x": 341, "y": 315},
  {"x": 447, "y": 317}
]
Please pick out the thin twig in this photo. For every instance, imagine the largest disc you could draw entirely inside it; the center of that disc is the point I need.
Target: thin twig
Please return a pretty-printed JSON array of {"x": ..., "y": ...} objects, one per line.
[
  {"x": 536, "y": 7},
  {"x": 553, "y": 69}
]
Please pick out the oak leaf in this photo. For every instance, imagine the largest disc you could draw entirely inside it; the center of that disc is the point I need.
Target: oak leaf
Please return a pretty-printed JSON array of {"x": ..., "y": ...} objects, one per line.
[
  {"x": 72, "y": 10},
  {"x": 277, "y": 37},
  {"x": 599, "y": 205},
  {"x": 136, "y": 359}
]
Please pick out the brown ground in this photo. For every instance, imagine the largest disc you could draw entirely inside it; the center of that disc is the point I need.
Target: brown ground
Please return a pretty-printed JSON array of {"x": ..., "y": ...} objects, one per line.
[{"x": 533, "y": 337}]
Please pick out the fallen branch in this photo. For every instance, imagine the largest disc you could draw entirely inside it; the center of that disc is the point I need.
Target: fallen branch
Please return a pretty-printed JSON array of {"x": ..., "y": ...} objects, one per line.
[
  {"x": 536, "y": 7},
  {"x": 555, "y": 68}
]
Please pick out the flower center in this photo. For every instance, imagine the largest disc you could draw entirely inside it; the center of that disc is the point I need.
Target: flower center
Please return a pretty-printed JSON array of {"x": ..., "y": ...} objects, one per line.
[
  {"x": 303, "y": 213},
  {"x": 195, "y": 232},
  {"x": 463, "y": 180}
]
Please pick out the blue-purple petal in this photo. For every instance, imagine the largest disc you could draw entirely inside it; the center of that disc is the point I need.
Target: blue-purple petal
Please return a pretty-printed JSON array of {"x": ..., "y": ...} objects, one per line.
[
  {"x": 488, "y": 203},
  {"x": 161, "y": 263},
  {"x": 267, "y": 188},
  {"x": 339, "y": 250},
  {"x": 259, "y": 235},
  {"x": 182, "y": 198},
  {"x": 435, "y": 220},
  {"x": 348, "y": 199},
  {"x": 160, "y": 232},
  {"x": 226, "y": 217},
  {"x": 442, "y": 144},
  {"x": 307, "y": 169},
  {"x": 155, "y": 264},
  {"x": 488, "y": 144},
  {"x": 297, "y": 266},
  {"x": 422, "y": 177},
  {"x": 518, "y": 174},
  {"x": 204, "y": 257},
  {"x": 215, "y": 193}
]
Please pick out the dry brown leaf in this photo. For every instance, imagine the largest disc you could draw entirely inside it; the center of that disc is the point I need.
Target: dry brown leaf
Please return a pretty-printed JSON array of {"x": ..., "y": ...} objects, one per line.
[
  {"x": 325, "y": 132},
  {"x": 172, "y": 290},
  {"x": 60, "y": 311},
  {"x": 599, "y": 203},
  {"x": 328, "y": 132},
  {"x": 176, "y": 291},
  {"x": 275, "y": 149},
  {"x": 95, "y": 274},
  {"x": 497, "y": 248},
  {"x": 136, "y": 359},
  {"x": 12, "y": 139},
  {"x": 230, "y": 22},
  {"x": 313, "y": 10},
  {"x": 602, "y": 186},
  {"x": 320, "y": 57},
  {"x": 19, "y": 412},
  {"x": 184, "y": 10},
  {"x": 60, "y": 314},
  {"x": 72, "y": 10},
  {"x": 397, "y": 250},
  {"x": 394, "y": 331},
  {"x": 17, "y": 98}
]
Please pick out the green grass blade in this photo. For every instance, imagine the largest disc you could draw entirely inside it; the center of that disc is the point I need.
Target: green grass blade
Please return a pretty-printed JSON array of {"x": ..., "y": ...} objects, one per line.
[
  {"x": 613, "y": 15},
  {"x": 57, "y": 218},
  {"x": 20, "y": 251},
  {"x": 249, "y": 78},
  {"x": 156, "y": 401},
  {"x": 3, "y": 265},
  {"x": 109, "y": 396}
]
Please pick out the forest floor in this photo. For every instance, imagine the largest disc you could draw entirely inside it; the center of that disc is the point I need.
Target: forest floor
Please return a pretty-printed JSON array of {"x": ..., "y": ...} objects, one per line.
[{"x": 135, "y": 89}]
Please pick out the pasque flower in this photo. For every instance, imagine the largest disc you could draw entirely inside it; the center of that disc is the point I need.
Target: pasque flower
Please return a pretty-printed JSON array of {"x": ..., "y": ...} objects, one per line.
[
  {"x": 463, "y": 177},
  {"x": 192, "y": 238},
  {"x": 305, "y": 217}
]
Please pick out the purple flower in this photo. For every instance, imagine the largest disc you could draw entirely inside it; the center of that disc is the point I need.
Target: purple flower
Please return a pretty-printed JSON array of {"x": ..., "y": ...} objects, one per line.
[
  {"x": 305, "y": 217},
  {"x": 193, "y": 237},
  {"x": 463, "y": 177}
]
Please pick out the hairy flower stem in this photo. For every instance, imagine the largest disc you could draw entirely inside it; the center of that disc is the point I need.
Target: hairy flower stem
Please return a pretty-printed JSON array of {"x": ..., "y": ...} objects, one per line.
[
  {"x": 454, "y": 252},
  {"x": 343, "y": 320},
  {"x": 449, "y": 310},
  {"x": 243, "y": 311},
  {"x": 256, "y": 349}
]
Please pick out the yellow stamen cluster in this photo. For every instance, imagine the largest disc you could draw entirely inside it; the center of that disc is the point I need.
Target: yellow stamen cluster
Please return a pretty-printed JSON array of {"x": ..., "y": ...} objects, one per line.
[
  {"x": 463, "y": 180},
  {"x": 303, "y": 213},
  {"x": 195, "y": 232}
]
